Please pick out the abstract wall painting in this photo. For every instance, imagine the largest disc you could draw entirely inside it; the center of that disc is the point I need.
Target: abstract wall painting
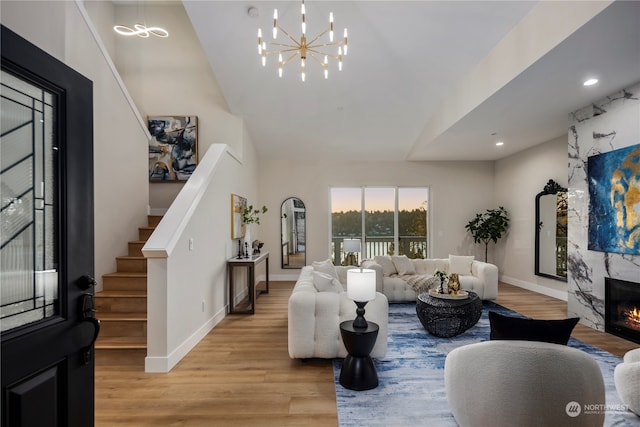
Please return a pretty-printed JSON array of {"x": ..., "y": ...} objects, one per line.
[
  {"x": 173, "y": 149},
  {"x": 238, "y": 205},
  {"x": 614, "y": 201}
]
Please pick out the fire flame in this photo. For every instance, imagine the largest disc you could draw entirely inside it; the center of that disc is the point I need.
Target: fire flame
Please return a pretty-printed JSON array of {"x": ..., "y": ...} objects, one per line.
[{"x": 634, "y": 315}]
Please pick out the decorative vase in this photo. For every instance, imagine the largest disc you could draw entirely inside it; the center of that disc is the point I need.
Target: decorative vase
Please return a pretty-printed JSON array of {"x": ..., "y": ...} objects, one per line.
[
  {"x": 442, "y": 289},
  {"x": 454, "y": 283},
  {"x": 247, "y": 240}
]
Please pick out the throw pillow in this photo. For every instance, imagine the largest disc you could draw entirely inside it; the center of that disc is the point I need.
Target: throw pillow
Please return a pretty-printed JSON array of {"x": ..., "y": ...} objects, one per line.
[
  {"x": 386, "y": 263},
  {"x": 460, "y": 264},
  {"x": 515, "y": 328},
  {"x": 324, "y": 282},
  {"x": 403, "y": 265},
  {"x": 325, "y": 266}
]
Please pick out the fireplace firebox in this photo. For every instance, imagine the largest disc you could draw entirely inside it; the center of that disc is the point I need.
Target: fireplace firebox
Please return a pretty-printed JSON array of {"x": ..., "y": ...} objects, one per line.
[{"x": 622, "y": 308}]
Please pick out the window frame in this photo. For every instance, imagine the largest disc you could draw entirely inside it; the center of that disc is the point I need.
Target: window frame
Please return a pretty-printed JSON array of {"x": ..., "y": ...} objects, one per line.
[{"x": 396, "y": 219}]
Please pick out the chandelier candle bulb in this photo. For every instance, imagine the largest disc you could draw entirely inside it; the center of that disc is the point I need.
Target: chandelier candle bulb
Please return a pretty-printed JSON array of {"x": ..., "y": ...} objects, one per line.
[
  {"x": 345, "y": 42},
  {"x": 326, "y": 69},
  {"x": 331, "y": 27},
  {"x": 275, "y": 23},
  {"x": 259, "y": 41}
]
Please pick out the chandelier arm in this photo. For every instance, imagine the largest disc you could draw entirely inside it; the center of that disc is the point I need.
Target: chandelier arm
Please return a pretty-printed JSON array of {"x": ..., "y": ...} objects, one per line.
[
  {"x": 318, "y": 36},
  {"x": 292, "y": 46},
  {"x": 330, "y": 55},
  {"x": 338, "y": 43},
  {"x": 293, "y": 55},
  {"x": 288, "y": 35},
  {"x": 318, "y": 60},
  {"x": 273, "y": 52}
]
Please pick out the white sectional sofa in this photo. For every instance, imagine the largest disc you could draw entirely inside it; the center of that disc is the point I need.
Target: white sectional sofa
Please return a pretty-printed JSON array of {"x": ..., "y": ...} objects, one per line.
[
  {"x": 315, "y": 317},
  {"x": 395, "y": 273}
]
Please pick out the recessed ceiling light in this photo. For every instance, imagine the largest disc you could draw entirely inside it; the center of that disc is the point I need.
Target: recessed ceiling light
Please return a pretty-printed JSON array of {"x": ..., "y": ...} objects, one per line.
[
  {"x": 590, "y": 82},
  {"x": 499, "y": 144}
]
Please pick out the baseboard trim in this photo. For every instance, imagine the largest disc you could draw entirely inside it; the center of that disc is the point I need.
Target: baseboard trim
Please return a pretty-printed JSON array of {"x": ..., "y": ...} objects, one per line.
[
  {"x": 544, "y": 290},
  {"x": 165, "y": 364}
]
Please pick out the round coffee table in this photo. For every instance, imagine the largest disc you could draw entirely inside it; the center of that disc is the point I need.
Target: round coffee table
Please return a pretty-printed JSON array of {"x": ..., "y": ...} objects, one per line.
[{"x": 448, "y": 317}]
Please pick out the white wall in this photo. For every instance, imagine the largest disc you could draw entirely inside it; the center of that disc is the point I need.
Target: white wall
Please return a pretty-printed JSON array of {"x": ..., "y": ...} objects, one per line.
[
  {"x": 120, "y": 145},
  {"x": 458, "y": 191},
  {"x": 518, "y": 179},
  {"x": 188, "y": 293},
  {"x": 171, "y": 76},
  {"x": 604, "y": 126}
]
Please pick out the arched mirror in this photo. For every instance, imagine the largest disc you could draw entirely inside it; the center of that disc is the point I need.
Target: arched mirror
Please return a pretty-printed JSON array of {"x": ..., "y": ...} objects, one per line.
[
  {"x": 551, "y": 232},
  {"x": 293, "y": 233}
]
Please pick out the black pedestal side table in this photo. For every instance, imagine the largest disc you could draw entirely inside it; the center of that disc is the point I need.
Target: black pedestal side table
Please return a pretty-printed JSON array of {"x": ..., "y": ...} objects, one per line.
[{"x": 358, "y": 371}]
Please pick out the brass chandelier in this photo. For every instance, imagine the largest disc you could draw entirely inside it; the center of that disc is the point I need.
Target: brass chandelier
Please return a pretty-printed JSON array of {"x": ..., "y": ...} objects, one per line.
[{"x": 316, "y": 49}]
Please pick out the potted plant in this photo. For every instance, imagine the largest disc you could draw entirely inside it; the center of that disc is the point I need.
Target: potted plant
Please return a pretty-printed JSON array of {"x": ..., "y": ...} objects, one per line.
[
  {"x": 251, "y": 215},
  {"x": 488, "y": 226}
]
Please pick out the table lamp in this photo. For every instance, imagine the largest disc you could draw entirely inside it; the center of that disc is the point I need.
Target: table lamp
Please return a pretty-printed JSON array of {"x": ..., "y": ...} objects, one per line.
[
  {"x": 351, "y": 247},
  {"x": 361, "y": 288}
]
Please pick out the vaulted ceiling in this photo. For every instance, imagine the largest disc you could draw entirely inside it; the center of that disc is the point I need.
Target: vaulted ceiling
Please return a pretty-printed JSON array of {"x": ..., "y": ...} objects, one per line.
[{"x": 423, "y": 80}]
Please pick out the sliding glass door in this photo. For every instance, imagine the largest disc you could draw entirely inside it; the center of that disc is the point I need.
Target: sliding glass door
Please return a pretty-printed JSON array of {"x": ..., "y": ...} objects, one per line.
[{"x": 383, "y": 220}]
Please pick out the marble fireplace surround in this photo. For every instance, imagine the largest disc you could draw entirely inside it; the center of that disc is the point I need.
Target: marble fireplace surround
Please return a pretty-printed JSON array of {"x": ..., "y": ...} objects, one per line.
[{"x": 607, "y": 125}]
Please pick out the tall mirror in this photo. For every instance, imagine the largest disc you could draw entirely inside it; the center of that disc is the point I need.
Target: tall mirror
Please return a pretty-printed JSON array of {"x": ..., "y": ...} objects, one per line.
[
  {"x": 293, "y": 233},
  {"x": 551, "y": 232}
]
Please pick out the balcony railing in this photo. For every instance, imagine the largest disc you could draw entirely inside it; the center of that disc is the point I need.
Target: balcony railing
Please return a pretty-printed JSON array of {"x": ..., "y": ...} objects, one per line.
[{"x": 411, "y": 246}]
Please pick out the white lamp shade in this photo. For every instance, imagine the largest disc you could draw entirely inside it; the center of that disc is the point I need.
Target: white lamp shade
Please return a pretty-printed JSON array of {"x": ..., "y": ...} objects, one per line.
[
  {"x": 351, "y": 245},
  {"x": 361, "y": 284}
]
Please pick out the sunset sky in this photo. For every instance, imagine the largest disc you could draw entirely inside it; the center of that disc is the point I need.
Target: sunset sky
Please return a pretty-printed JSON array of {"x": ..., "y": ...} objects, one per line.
[{"x": 377, "y": 199}]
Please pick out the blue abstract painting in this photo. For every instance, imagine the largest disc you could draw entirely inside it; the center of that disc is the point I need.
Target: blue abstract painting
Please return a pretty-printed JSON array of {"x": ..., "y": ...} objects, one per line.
[{"x": 614, "y": 201}]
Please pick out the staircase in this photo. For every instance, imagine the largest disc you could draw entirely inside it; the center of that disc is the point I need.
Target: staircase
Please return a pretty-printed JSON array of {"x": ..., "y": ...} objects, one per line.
[{"x": 122, "y": 306}]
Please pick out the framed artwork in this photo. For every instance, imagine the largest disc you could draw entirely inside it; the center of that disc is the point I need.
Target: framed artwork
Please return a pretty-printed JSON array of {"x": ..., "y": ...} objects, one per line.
[
  {"x": 238, "y": 205},
  {"x": 173, "y": 148},
  {"x": 614, "y": 195}
]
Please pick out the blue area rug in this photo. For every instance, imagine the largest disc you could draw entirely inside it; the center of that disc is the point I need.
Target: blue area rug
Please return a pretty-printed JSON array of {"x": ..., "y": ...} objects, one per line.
[{"x": 411, "y": 377}]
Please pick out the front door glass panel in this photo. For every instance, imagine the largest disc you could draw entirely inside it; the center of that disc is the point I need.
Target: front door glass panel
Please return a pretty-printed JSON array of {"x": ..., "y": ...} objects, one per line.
[{"x": 29, "y": 285}]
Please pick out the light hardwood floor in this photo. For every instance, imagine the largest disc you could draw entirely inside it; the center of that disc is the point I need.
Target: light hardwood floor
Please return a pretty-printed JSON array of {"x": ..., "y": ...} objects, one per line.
[{"x": 241, "y": 374}]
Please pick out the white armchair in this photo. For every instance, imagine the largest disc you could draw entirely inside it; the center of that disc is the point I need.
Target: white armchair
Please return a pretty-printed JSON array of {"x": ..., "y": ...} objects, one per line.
[
  {"x": 627, "y": 379},
  {"x": 523, "y": 383}
]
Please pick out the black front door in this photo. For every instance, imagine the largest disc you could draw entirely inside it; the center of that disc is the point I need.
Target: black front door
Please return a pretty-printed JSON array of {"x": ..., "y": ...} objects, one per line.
[{"x": 47, "y": 322}]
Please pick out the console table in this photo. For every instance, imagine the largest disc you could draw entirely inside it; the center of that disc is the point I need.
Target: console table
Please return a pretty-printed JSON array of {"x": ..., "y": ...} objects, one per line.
[{"x": 249, "y": 264}]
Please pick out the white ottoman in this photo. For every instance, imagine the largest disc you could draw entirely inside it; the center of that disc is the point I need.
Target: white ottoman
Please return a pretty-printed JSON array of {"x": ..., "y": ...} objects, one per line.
[{"x": 627, "y": 379}]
